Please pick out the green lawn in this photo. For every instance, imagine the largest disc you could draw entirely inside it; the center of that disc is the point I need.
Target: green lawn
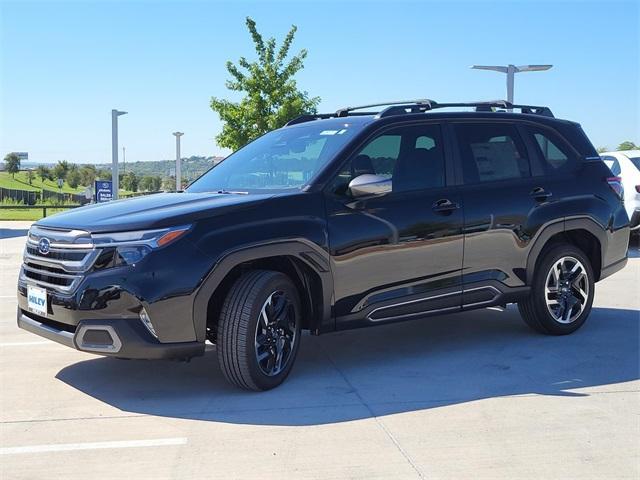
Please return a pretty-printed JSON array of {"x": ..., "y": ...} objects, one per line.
[
  {"x": 20, "y": 182},
  {"x": 27, "y": 213}
]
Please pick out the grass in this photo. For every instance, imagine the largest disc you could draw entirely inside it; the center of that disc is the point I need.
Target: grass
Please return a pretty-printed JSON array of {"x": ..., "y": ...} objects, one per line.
[
  {"x": 20, "y": 182},
  {"x": 28, "y": 213}
]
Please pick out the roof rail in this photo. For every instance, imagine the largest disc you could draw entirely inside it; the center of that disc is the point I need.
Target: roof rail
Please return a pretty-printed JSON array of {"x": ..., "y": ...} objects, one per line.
[
  {"x": 421, "y": 106},
  {"x": 343, "y": 112}
]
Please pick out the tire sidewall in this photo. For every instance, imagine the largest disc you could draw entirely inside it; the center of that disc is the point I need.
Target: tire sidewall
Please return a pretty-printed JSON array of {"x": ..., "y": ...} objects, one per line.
[{"x": 540, "y": 279}]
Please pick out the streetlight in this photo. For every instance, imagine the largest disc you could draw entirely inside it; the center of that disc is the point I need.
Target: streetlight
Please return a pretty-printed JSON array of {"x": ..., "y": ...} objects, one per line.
[
  {"x": 511, "y": 71},
  {"x": 114, "y": 152},
  {"x": 178, "y": 170}
]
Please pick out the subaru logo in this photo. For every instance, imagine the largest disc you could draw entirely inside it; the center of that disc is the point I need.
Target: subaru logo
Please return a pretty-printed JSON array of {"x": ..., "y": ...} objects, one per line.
[{"x": 44, "y": 246}]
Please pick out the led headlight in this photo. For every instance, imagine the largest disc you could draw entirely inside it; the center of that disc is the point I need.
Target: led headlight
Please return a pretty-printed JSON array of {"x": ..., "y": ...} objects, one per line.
[{"x": 131, "y": 247}]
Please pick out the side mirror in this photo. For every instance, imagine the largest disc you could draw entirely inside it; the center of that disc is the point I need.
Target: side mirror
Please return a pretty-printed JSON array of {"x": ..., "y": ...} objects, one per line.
[{"x": 367, "y": 184}]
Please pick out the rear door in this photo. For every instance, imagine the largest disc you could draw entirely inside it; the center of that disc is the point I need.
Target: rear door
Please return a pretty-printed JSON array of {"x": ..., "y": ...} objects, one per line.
[
  {"x": 502, "y": 191},
  {"x": 397, "y": 255}
]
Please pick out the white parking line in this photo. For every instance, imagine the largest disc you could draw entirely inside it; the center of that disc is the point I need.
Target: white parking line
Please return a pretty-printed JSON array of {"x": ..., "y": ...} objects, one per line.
[
  {"x": 66, "y": 447},
  {"x": 25, "y": 344}
]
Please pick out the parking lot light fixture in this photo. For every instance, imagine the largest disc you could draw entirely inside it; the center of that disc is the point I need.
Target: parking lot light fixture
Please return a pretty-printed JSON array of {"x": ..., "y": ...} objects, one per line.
[
  {"x": 114, "y": 151},
  {"x": 511, "y": 71},
  {"x": 178, "y": 163}
]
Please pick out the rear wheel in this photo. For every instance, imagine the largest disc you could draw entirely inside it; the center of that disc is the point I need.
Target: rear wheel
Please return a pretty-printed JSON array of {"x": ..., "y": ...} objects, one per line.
[
  {"x": 561, "y": 292},
  {"x": 259, "y": 330}
]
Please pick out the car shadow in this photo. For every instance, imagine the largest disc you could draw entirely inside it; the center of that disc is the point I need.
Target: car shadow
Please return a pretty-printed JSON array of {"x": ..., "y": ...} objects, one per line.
[
  {"x": 391, "y": 369},
  {"x": 13, "y": 232}
]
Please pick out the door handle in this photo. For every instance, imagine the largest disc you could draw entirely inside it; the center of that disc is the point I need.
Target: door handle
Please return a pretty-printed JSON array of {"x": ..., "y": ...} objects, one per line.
[
  {"x": 540, "y": 194},
  {"x": 444, "y": 206}
]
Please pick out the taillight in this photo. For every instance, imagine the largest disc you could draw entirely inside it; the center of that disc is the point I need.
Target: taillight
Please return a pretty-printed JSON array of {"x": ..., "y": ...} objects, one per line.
[{"x": 616, "y": 185}]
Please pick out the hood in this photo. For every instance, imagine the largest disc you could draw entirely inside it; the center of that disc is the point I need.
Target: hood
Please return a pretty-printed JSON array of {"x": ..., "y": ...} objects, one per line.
[{"x": 151, "y": 211}]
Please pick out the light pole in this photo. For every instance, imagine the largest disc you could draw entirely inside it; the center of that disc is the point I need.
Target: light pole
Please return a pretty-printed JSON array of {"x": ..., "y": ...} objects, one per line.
[
  {"x": 114, "y": 151},
  {"x": 511, "y": 71},
  {"x": 178, "y": 169},
  {"x": 124, "y": 162}
]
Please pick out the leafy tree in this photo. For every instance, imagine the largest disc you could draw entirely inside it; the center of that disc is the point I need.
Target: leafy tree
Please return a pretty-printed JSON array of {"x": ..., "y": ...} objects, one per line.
[
  {"x": 602, "y": 149},
  {"x": 88, "y": 175},
  {"x": 43, "y": 172},
  {"x": 30, "y": 176},
  {"x": 103, "y": 174},
  {"x": 61, "y": 169},
  {"x": 150, "y": 183},
  {"x": 74, "y": 177},
  {"x": 169, "y": 184},
  {"x": 12, "y": 164},
  {"x": 271, "y": 96},
  {"x": 628, "y": 145},
  {"x": 130, "y": 182}
]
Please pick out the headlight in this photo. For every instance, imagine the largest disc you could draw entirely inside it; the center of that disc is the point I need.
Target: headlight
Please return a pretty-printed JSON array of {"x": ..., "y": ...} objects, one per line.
[{"x": 131, "y": 247}]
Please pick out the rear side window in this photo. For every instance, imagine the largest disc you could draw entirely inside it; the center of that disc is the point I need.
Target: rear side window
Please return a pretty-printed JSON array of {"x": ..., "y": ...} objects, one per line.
[
  {"x": 555, "y": 155},
  {"x": 491, "y": 152}
]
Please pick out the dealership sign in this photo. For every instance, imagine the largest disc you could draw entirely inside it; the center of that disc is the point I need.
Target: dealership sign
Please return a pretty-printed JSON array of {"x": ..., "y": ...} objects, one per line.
[{"x": 104, "y": 191}]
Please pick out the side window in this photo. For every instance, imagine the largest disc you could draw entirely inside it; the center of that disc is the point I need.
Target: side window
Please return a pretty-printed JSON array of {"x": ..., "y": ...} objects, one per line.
[
  {"x": 491, "y": 152},
  {"x": 555, "y": 155},
  {"x": 412, "y": 157},
  {"x": 613, "y": 164}
]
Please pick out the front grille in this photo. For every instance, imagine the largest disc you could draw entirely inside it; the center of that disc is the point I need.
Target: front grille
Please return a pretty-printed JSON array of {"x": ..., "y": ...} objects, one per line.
[{"x": 62, "y": 265}]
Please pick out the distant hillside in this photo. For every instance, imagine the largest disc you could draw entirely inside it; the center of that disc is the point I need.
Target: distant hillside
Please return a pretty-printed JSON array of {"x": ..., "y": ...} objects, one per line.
[{"x": 192, "y": 167}]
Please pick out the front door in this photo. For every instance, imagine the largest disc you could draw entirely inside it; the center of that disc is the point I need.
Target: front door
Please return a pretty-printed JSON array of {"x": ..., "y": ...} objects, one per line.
[{"x": 396, "y": 255}]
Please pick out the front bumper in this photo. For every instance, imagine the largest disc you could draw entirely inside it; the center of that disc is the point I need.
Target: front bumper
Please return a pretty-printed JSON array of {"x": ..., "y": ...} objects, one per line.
[{"x": 122, "y": 338}]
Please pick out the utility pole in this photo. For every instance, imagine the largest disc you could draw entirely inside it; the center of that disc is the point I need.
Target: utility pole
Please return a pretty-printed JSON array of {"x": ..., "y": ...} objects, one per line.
[
  {"x": 511, "y": 71},
  {"x": 114, "y": 152},
  {"x": 178, "y": 162}
]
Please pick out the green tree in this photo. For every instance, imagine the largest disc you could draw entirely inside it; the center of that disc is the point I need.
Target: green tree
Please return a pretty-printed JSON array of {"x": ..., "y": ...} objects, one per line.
[
  {"x": 103, "y": 174},
  {"x": 88, "y": 175},
  {"x": 145, "y": 183},
  {"x": 43, "y": 172},
  {"x": 61, "y": 169},
  {"x": 73, "y": 178},
  {"x": 12, "y": 163},
  {"x": 130, "y": 182},
  {"x": 602, "y": 149},
  {"x": 271, "y": 96},
  {"x": 30, "y": 176},
  {"x": 628, "y": 145},
  {"x": 169, "y": 184},
  {"x": 156, "y": 183}
]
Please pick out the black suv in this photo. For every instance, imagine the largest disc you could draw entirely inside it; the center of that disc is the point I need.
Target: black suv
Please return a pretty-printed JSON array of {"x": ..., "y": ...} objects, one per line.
[{"x": 336, "y": 221}]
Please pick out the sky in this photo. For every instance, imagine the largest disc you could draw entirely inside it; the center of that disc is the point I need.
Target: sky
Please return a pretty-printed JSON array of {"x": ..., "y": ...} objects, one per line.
[{"x": 65, "y": 65}]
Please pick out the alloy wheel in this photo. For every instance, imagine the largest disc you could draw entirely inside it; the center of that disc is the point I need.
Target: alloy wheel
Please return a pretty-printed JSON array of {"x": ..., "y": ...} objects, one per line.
[
  {"x": 566, "y": 289},
  {"x": 275, "y": 333}
]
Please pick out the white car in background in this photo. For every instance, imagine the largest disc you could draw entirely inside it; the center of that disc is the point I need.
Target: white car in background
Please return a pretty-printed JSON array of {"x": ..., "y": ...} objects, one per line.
[{"x": 626, "y": 165}]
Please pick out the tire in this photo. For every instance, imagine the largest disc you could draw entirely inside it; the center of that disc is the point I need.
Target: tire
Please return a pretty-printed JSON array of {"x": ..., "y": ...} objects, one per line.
[
  {"x": 252, "y": 335},
  {"x": 543, "y": 318}
]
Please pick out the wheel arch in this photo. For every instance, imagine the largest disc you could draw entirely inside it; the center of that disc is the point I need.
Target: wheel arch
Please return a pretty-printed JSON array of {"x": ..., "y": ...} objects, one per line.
[
  {"x": 304, "y": 262},
  {"x": 583, "y": 232}
]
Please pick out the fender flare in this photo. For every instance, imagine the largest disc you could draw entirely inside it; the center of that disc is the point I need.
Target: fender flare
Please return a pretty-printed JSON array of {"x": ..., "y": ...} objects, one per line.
[
  {"x": 565, "y": 225},
  {"x": 308, "y": 252}
]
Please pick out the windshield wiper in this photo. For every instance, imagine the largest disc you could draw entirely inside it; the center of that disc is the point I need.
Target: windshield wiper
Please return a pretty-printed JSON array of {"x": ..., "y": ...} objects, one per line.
[{"x": 232, "y": 192}]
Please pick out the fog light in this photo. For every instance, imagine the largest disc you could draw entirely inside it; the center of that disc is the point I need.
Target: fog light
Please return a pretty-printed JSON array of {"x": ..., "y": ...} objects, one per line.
[{"x": 144, "y": 316}]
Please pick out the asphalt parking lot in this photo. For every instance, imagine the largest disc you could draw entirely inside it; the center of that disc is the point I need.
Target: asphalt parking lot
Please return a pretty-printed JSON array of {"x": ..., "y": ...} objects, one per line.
[{"x": 474, "y": 395}]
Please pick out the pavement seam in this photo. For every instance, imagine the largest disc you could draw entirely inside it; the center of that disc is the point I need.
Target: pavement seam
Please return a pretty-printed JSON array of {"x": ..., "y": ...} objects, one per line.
[{"x": 402, "y": 451}]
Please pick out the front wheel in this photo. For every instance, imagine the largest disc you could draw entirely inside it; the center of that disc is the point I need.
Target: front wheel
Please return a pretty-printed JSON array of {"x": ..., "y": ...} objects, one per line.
[
  {"x": 259, "y": 330},
  {"x": 561, "y": 292}
]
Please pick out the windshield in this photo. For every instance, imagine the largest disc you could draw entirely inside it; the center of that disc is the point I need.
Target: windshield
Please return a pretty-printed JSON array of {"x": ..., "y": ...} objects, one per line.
[
  {"x": 285, "y": 159},
  {"x": 635, "y": 161}
]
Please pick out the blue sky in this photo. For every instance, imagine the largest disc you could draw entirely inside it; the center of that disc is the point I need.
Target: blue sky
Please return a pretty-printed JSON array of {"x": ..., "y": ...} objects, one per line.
[{"x": 64, "y": 66}]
